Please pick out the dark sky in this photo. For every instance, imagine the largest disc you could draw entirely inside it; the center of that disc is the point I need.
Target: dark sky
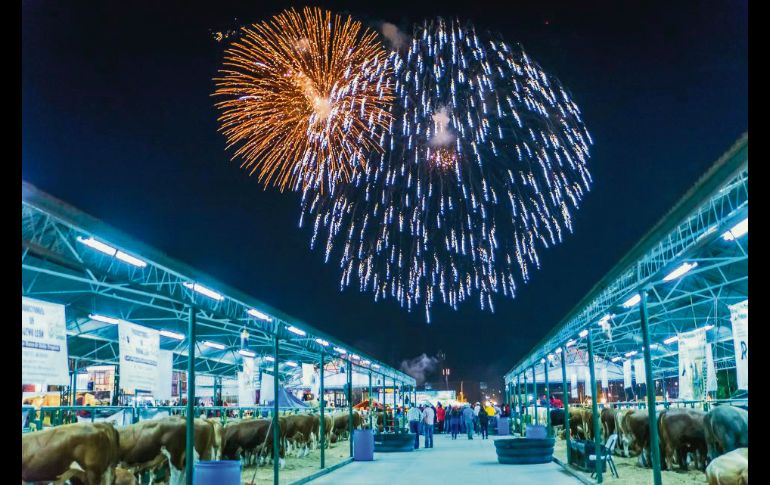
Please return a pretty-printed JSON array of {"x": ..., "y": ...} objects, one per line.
[{"x": 118, "y": 121}]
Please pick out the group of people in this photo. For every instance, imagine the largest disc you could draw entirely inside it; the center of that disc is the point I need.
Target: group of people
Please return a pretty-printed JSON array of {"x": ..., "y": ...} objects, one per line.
[{"x": 426, "y": 418}]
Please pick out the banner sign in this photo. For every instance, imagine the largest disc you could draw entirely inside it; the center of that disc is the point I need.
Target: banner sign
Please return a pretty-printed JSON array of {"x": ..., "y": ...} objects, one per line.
[
  {"x": 573, "y": 385},
  {"x": 308, "y": 374},
  {"x": 43, "y": 343},
  {"x": 641, "y": 375},
  {"x": 605, "y": 381},
  {"x": 692, "y": 354},
  {"x": 266, "y": 391},
  {"x": 739, "y": 316},
  {"x": 246, "y": 394},
  {"x": 711, "y": 373},
  {"x": 117, "y": 418},
  {"x": 588, "y": 382},
  {"x": 627, "y": 382},
  {"x": 165, "y": 371},
  {"x": 139, "y": 347}
]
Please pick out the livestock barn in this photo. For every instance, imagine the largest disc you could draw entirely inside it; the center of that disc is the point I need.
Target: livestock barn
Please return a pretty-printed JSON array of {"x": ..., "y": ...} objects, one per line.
[
  {"x": 662, "y": 338},
  {"x": 122, "y": 346}
]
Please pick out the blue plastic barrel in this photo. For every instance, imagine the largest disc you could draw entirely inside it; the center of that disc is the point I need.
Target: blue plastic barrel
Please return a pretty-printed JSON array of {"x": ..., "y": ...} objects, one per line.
[
  {"x": 221, "y": 472},
  {"x": 363, "y": 445}
]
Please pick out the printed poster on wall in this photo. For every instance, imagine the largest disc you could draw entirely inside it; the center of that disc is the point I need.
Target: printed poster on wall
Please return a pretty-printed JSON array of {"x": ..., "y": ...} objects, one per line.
[
  {"x": 605, "y": 381},
  {"x": 246, "y": 392},
  {"x": 573, "y": 392},
  {"x": 692, "y": 356},
  {"x": 43, "y": 343},
  {"x": 627, "y": 382},
  {"x": 739, "y": 316},
  {"x": 711, "y": 373},
  {"x": 139, "y": 348},
  {"x": 641, "y": 375},
  {"x": 165, "y": 371}
]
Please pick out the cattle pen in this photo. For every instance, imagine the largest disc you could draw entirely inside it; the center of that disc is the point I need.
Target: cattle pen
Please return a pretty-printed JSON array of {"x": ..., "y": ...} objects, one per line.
[
  {"x": 105, "y": 286},
  {"x": 666, "y": 328}
]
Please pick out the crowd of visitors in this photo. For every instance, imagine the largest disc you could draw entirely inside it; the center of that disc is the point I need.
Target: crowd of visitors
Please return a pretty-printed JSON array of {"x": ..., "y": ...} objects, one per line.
[{"x": 426, "y": 419}]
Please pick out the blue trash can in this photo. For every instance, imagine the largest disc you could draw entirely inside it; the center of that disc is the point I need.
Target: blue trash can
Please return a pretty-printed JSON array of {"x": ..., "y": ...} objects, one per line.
[
  {"x": 503, "y": 426},
  {"x": 221, "y": 472},
  {"x": 363, "y": 445}
]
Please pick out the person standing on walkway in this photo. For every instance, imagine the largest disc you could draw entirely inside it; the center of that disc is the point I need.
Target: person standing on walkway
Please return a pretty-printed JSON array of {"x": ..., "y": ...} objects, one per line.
[
  {"x": 454, "y": 421},
  {"x": 414, "y": 416},
  {"x": 468, "y": 416},
  {"x": 476, "y": 410},
  {"x": 440, "y": 417},
  {"x": 428, "y": 418},
  {"x": 483, "y": 424}
]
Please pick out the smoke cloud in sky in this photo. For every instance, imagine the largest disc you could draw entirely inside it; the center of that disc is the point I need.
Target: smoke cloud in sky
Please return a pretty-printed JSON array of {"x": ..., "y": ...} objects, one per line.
[
  {"x": 443, "y": 135},
  {"x": 419, "y": 367},
  {"x": 394, "y": 36}
]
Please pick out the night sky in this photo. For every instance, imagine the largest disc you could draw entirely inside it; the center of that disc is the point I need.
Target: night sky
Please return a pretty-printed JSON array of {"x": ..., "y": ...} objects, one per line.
[{"x": 119, "y": 122}]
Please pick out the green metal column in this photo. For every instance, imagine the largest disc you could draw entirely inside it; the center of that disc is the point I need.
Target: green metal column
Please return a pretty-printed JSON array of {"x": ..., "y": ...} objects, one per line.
[
  {"x": 393, "y": 410},
  {"x": 595, "y": 407},
  {"x": 371, "y": 403},
  {"x": 534, "y": 392},
  {"x": 565, "y": 397},
  {"x": 547, "y": 399},
  {"x": 522, "y": 396},
  {"x": 350, "y": 405},
  {"x": 526, "y": 399},
  {"x": 190, "y": 432},
  {"x": 116, "y": 387},
  {"x": 321, "y": 406},
  {"x": 276, "y": 422},
  {"x": 654, "y": 445}
]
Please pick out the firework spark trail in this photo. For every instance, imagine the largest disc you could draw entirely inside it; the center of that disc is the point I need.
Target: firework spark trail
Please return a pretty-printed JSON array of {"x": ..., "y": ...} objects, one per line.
[
  {"x": 485, "y": 158},
  {"x": 307, "y": 98}
]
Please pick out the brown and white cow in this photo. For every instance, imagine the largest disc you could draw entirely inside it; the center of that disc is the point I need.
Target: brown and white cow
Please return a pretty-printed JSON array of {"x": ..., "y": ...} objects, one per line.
[
  {"x": 682, "y": 432},
  {"x": 727, "y": 428},
  {"x": 636, "y": 425},
  {"x": 149, "y": 444},
  {"x": 298, "y": 433},
  {"x": 624, "y": 435},
  {"x": 729, "y": 469},
  {"x": 89, "y": 451},
  {"x": 607, "y": 420},
  {"x": 250, "y": 438},
  {"x": 219, "y": 432}
]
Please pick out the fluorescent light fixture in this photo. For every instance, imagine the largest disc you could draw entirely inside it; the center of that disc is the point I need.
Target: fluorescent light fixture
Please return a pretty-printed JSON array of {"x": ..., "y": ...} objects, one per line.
[
  {"x": 631, "y": 354},
  {"x": 296, "y": 330},
  {"x": 290, "y": 363},
  {"x": 355, "y": 356},
  {"x": 270, "y": 358},
  {"x": 570, "y": 343},
  {"x": 375, "y": 366},
  {"x": 680, "y": 271},
  {"x": 213, "y": 345},
  {"x": 102, "y": 318},
  {"x": 737, "y": 230},
  {"x": 615, "y": 359},
  {"x": 246, "y": 353},
  {"x": 653, "y": 346},
  {"x": 98, "y": 245},
  {"x": 542, "y": 361},
  {"x": 258, "y": 314},
  {"x": 173, "y": 335},
  {"x": 583, "y": 333},
  {"x": 341, "y": 351},
  {"x": 708, "y": 327},
  {"x": 366, "y": 362},
  {"x": 671, "y": 340},
  {"x": 322, "y": 342},
  {"x": 550, "y": 356},
  {"x": 127, "y": 258},
  {"x": 204, "y": 291},
  {"x": 558, "y": 351},
  {"x": 633, "y": 301}
]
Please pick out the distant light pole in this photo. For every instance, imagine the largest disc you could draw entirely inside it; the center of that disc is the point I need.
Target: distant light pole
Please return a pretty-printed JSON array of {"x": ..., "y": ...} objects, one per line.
[{"x": 445, "y": 373}]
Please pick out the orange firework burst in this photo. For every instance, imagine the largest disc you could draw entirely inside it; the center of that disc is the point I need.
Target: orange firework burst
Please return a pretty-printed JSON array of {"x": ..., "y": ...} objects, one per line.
[{"x": 307, "y": 98}]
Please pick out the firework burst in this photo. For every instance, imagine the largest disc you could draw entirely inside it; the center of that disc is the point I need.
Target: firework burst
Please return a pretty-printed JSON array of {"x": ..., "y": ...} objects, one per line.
[
  {"x": 307, "y": 98},
  {"x": 485, "y": 158}
]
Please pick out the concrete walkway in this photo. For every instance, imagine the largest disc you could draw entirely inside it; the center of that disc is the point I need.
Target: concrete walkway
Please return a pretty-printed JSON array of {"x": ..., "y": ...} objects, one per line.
[{"x": 460, "y": 461}]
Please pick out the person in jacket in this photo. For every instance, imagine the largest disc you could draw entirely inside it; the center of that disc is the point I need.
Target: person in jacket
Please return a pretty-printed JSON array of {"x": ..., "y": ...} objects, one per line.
[
  {"x": 454, "y": 421},
  {"x": 428, "y": 420},
  {"x": 440, "y": 417},
  {"x": 483, "y": 424},
  {"x": 414, "y": 415},
  {"x": 476, "y": 409},
  {"x": 468, "y": 417}
]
